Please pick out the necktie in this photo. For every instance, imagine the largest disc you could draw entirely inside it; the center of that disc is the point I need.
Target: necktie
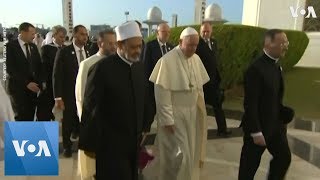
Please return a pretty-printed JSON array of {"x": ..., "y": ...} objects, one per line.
[
  {"x": 209, "y": 44},
  {"x": 81, "y": 55},
  {"x": 164, "y": 49},
  {"x": 28, "y": 52}
]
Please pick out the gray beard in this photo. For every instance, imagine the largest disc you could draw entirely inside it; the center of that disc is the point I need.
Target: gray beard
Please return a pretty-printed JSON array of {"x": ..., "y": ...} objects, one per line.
[{"x": 130, "y": 59}]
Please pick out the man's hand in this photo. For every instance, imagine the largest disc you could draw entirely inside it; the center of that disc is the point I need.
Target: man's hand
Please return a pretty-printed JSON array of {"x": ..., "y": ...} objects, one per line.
[
  {"x": 144, "y": 136},
  {"x": 34, "y": 87},
  {"x": 259, "y": 140},
  {"x": 90, "y": 154},
  {"x": 170, "y": 128},
  {"x": 59, "y": 104}
]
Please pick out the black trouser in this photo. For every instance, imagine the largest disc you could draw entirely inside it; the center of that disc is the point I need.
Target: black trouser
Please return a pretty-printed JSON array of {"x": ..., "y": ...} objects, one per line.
[
  {"x": 251, "y": 153},
  {"x": 70, "y": 124},
  {"x": 215, "y": 101},
  {"x": 116, "y": 161},
  {"x": 45, "y": 105},
  {"x": 24, "y": 105}
]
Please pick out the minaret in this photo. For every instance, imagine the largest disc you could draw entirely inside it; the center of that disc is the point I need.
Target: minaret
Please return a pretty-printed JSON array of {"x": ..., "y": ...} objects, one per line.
[
  {"x": 67, "y": 16},
  {"x": 199, "y": 8},
  {"x": 174, "y": 20}
]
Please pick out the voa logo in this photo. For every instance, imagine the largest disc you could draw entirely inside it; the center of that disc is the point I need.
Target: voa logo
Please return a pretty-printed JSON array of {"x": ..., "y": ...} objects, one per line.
[
  {"x": 310, "y": 11},
  {"x": 31, "y": 148},
  {"x": 41, "y": 147}
]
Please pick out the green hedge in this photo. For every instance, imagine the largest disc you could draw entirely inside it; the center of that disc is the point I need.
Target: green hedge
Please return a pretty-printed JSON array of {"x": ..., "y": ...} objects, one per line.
[{"x": 239, "y": 45}]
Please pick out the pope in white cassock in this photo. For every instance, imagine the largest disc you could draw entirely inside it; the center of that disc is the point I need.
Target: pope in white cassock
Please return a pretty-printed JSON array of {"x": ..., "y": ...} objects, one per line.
[
  {"x": 181, "y": 115},
  {"x": 6, "y": 112},
  {"x": 107, "y": 46}
]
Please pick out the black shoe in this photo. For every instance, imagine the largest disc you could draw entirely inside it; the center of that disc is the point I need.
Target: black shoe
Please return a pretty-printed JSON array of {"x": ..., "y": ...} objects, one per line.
[
  {"x": 224, "y": 134},
  {"x": 67, "y": 153},
  {"x": 74, "y": 137}
]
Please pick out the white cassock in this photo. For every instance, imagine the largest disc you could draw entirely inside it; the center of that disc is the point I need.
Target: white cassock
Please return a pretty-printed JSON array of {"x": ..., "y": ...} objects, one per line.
[
  {"x": 6, "y": 112},
  {"x": 180, "y": 101},
  {"x": 86, "y": 164}
]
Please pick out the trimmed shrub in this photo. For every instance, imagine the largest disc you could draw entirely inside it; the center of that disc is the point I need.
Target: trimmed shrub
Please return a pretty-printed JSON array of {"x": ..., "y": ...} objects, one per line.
[{"x": 240, "y": 45}]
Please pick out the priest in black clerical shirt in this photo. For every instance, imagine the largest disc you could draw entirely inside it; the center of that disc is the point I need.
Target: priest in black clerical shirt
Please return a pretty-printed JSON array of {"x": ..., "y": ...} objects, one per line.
[
  {"x": 265, "y": 118},
  {"x": 115, "y": 110}
]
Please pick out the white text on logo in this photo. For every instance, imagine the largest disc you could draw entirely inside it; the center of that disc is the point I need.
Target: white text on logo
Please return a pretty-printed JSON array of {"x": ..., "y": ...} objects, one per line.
[
  {"x": 310, "y": 10},
  {"x": 43, "y": 147}
]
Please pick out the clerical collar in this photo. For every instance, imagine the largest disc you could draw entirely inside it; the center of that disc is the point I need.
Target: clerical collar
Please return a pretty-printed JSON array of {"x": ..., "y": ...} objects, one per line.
[
  {"x": 76, "y": 48},
  {"x": 124, "y": 59},
  {"x": 160, "y": 43},
  {"x": 275, "y": 59}
]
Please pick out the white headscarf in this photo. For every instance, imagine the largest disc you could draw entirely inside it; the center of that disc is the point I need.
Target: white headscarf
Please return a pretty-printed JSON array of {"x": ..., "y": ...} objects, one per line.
[{"x": 49, "y": 38}]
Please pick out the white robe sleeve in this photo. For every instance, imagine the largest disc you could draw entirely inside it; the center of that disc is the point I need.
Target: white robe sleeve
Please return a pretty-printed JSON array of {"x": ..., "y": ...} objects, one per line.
[
  {"x": 80, "y": 87},
  {"x": 164, "y": 106},
  {"x": 6, "y": 112}
]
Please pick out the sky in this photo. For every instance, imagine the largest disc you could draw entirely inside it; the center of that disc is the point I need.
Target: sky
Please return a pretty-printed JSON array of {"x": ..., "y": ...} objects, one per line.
[{"x": 111, "y": 12}]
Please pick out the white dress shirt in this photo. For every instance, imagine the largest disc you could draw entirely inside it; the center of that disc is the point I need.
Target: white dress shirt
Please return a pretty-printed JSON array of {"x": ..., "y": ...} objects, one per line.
[
  {"x": 161, "y": 44},
  {"x": 23, "y": 46},
  {"x": 77, "y": 49}
]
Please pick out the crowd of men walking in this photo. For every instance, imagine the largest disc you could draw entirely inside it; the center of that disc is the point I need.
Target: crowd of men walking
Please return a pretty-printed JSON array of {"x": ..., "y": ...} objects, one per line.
[{"x": 111, "y": 94}]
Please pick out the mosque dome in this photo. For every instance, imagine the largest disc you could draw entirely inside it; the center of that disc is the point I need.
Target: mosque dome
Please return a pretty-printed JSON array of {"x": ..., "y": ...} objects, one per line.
[
  {"x": 154, "y": 14},
  {"x": 213, "y": 13}
]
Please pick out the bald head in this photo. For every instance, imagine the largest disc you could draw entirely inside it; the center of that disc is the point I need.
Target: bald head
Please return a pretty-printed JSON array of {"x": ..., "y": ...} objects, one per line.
[
  {"x": 163, "y": 32},
  {"x": 206, "y": 30}
]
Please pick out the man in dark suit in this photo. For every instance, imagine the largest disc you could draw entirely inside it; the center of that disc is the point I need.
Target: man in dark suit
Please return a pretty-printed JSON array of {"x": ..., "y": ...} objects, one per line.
[
  {"x": 155, "y": 49},
  {"x": 24, "y": 69},
  {"x": 207, "y": 50},
  {"x": 263, "y": 123},
  {"x": 46, "y": 99},
  {"x": 65, "y": 71},
  {"x": 115, "y": 108}
]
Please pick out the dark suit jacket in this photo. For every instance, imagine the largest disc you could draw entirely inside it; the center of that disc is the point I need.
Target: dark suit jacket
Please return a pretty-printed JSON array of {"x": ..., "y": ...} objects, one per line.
[
  {"x": 64, "y": 75},
  {"x": 21, "y": 71},
  {"x": 152, "y": 53},
  {"x": 94, "y": 48},
  {"x": 48, "y": 55},
  {"x": 209, "y": 58},
  {"x": 264, "y": 89}
]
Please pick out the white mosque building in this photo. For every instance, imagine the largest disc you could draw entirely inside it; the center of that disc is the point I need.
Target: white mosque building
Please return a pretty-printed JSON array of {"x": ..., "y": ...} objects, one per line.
[{"x": 284, "y": 14}]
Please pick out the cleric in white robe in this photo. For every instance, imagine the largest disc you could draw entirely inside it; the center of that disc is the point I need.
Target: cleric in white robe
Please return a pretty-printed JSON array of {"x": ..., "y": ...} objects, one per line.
[
  {"x": 48, "y": 39},
  {"x": 181, "y": 115},
  {"x": 6, "y": 112},
  {"x": 107, "y": 46}
]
